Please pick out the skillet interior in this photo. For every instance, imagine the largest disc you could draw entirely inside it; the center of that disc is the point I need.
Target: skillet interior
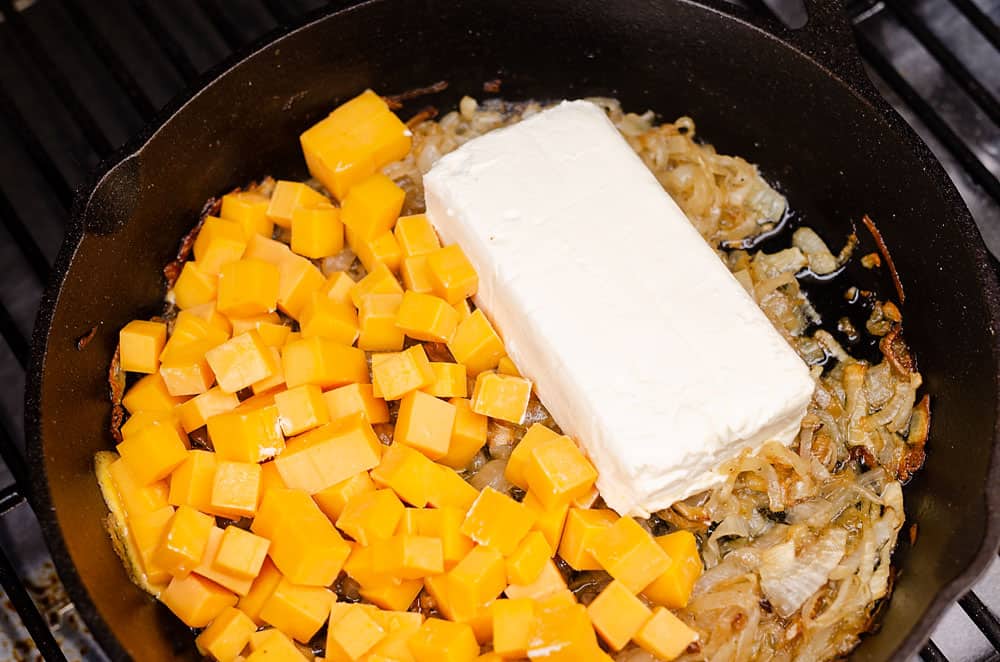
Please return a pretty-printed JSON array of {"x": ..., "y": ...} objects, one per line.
[{"x": 834, "y": 153}]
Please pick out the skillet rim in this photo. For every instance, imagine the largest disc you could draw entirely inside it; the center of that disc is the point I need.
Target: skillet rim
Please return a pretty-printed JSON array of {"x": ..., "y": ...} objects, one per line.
[{"x": 837, "y": 59}]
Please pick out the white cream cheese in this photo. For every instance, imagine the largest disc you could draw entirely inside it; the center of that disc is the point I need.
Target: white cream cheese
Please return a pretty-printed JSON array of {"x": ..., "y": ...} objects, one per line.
[{"x": 641, "y": 344}]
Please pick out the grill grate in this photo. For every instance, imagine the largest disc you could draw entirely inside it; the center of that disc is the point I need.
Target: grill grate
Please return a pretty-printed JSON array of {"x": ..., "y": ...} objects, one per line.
[{"x": 77, "y": 78}]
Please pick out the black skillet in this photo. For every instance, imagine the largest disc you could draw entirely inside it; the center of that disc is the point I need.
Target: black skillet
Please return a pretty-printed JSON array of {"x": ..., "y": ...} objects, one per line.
[{"x": 798, "y": 103}]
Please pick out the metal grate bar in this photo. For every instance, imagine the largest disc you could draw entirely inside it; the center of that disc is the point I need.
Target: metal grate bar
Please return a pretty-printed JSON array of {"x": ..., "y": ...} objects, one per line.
[
  {"x": 83, "y": 23},
  {"x": 15, "y": 339},
  {"x": 12, "y": 457},
  {"x": 982, "y": 617},
  {"x": 931, "y": 653},
  {"x": 979, "y": 172},
  {"x": 56, "y": 79},
  {"x": 947, "y": 59},
  {"x": 175, "y": 54},
  {"x": 978, "y": 18},
  {"x": 33, "y": 621},
  {"x": 221, "y": 23},
  {"x": 280, "y": 11},
  {"x": 22, "y": 237},
  {"x": 10, "y": 498}
]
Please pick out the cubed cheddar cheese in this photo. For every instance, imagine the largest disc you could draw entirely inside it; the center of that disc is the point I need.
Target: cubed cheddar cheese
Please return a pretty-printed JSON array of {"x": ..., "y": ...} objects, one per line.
[
  {"x": 153, "y": 452},
  {"x": 323, "y": 362},
  {"x": 664, "y": 635},
  {"x": 371, "y": 515},
  {"x": 191, "y": 482},
  {"x": 236, "y": 489},
  {"x": 298, "y": 280},
  {"x": 380, "y": 249},
  {"x": 263, "y": 586},
  {"x": 476, "y": 345},
  {"x": 378, "y": 281},
  {"x": 141, "y": 419},
  {"x": 247, "y": 435},
  {"x": 185, "y": 370},
  {"x": 372, "y": 206},
  {"x": 151, "y": 394},
  {"x": 443, "y": 523},
  {"x": 249, "y": 209},
  {"x": 301, "y": 409},
  {"x": 147, "y": 530},
  {"x": 558, "y": 471},
  {"x": 196, "y": 600},
  {"x": 506, "y": 367},
  {"x": 448, "y": 489},
  {"x": 425, "y": 423},
  {"x": 317, "y": 231},
  {"x": 226, "y": 636},
  {"x": 140, "y": 344},
  {"x": 269, "y": 477},
  {"x": 399, "y": 626},
  {"x": 527, "y": 561},
  {"x": 452, "y": 601},
  {"x": 416, "y": 275},
  {"x": 513, "y": 626},
  {"x": 498, "y": 521},
  {"x": 337, "y": 287},
  {"x": 264, "y": 248},
  {"x": 207, "y": 313},
  {"x": 273, "y": 645},
  {"x": 247, "y": 287},
  {"x": 519, "y": 457},
  {"x": 629, "y": 554},
  {"x": 463, "y": 309},
  {"x": 241, "y": 553},
  {"x": 408, "y": 556},
  {"x": 329, "y": 454},
  {"x": 212, "y": 328},
  {"x": 617, "y": 615},
  {"x": 137, "y": 498},
  {"x": 377, "y": 321},
  {"x": 298, "y": 611},
  {"x": 550, "y": 582},
  {"x": 563, "y": 633},
  {"x": 353, "y": 400},
  {"x": 276, "y": 382},
  {"x": 268, "y": 325},
  {"x": 443, "y": 641},
  {"x": 183, "y": 544},
  {"x": 325, "y": 317},
  {"x": 219, "y": 242},
  {"x": 481, "y": 575},
  {"x": 396, "y": 374},
  {"x": 426, "y": 317},
  {"x": 352, "y": 632},
  {"x": 407, "y": 472},
  {"x": 501, "y": 396},
  {"x": 468, "y": 435},
  {"x": 450, "y": 380},
  {"x": 398, "y": 594},
  {"x": 194, "y": 286},
  {"x": 194, "y": 413},
  {"x": 482, "y": 623},
  {"x": 333, "y": 499},
  {"x": 453, "y": 275},
  {"x": 673, "y": 588},
  {"x": 207, "y": 569},
  {"x": 241, "y": 361},
  {"x": 416, "y": 235},
  {"x": 289, "y": 196},
  {"x": 583, "y": 526}
]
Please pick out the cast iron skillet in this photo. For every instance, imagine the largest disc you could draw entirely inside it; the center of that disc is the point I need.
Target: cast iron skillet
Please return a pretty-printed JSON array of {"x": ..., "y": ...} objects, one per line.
[{"x": 798, "y": 103}]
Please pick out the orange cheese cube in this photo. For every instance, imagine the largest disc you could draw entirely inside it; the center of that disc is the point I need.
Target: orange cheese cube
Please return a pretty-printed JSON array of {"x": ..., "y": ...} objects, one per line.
[
  {"x": 246, "y": 435},
  {"x": 236, "y": 489},
  {"x": 377, "y": 319},
  {"x": 151, "y": 394},
  {"x": 368, "y": 120},
  {"x": 558, "y": 471},
  {"x": 289, "y": 196},
  {"x": 153, "y": 452},
  {"x": 426, "y": 317},
  {"x": 583, "y": 527},
  {"x": 476, "y": 345},
  {"x": 468, "y": 435},
  {"x": 371, "y": 515},
  {"x": 407, "y": 472},
  {"x": 191, "y": 481},
  {"x": 443, "y": 523},
  {"x": 563, "y": 633},
  {"x": 247, "y": 287},
  {"x": 447, "y": 488},
  {"x": 664, "y": 635},
  {"x": 443, "y": 641},
  {"x": 617, "y": 615},
  {"x": 273, "y": 645},
  {"x": 227, "y": 635},
  {"x": 481, "y": 575},
  {"x": 195, "y": 287},
  {"x": 207, "y": 569},
  {"x": 528, "y": 560},
  {"x": 379, "y": 249},
  {"x": 194, "y": 413},
  {"x": 550, "y": 582},
  {"x": 519, "y": 457},
  {"x": 333, "y": 499},
  {"x": 300, "y": 409},
  {"x": 323, "y": 362},
  {"x": 353, "y": 400},
  {"x": 506, "y": 367},
  {"x": 501, "y": 396},
  {"x": 424, "y": 423},
  {"x": 353, "y": 631},
  {"x": 147, "y": 530},
  {"x": 338, "y": 287},
  {"x": 263, "y": 248},
  {"x": 317, "y": 231},
  {"x": 372, "y": 206},
  {"x": 416, "y": 235},
  {"x": 399, "y": 626},
  {"x": 249, "y": 209},
  {"x": 261, "y": 589},
  {"x": 219, "y": 242},
  {"x": 513, "y": 626},
  {"x": 241, "y": 553},
  {"x": 498, "y": 521},
  {"x": 141, "y": 419},
  {"x": 241, "y": 361},
  {"x": 673, "y": 588},
  {"x": 195, "y": 600},
  {"x": 212, "y": 328},
  {"x": 629, "y": 554},
  {"x": 208, "y": 313},
  {"x": 378, "y": 281},
  {"x": 482, "y": 623},
  {"x": 183, "y": 544},
  {"x": 453, "y": 601},
  {"x": 587, "y": 500},
  {"x": 298, "y": 611},
  {"x": 268, "y": 325},
  {"x": 449, "y": 380},
  {"x": 305, "y": 546},
  {"x": 397, "y": 595},
  {"x": 269, "y": 477},
  {"x": 463, "y": 309},
  {"x": 298, "y": 280},
  {"x": 325, "y": 317},
  {"x": 277, "y": 380},
  {"x": 396, "y": 374},
  {"x": 185, "y": 370},
  {"x": 417, "y": 275},
  {"x": 451, "y": 272},
  {"x": 140, "y": 344},
  {"x": 137, "y": 498},
  {"x": 408, "y": 556},
  {"x": 329, "y": 454}
]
